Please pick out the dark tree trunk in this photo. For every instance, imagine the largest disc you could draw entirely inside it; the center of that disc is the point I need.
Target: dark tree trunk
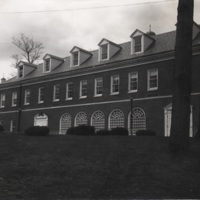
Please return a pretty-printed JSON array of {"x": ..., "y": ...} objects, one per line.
[{"x": 179, "y": 140}]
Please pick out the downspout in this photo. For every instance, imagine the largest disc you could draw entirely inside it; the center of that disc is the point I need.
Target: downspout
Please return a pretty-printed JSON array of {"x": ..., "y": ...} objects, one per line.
[{"x": 19, "y": 110}]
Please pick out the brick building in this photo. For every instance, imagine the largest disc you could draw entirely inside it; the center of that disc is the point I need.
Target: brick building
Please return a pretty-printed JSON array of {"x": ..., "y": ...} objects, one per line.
[{"x": 102, "y": 88}]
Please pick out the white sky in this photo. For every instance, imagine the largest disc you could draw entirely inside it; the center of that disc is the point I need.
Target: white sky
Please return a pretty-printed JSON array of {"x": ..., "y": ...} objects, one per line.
[{"x": 80, "y": 23}]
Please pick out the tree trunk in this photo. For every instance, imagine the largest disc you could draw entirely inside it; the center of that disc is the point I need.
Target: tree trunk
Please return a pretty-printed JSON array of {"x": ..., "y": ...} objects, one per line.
[{"x": 179, "y": 140}]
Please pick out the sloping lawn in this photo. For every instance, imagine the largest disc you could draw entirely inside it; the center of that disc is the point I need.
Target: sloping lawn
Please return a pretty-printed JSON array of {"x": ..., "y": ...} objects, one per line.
[{"x": 96, "y": 167}]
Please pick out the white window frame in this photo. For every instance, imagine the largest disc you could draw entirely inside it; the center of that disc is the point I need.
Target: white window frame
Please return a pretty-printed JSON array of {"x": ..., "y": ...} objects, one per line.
[
  {"x": 133, "y": 45},
  {"x": 67, "y": 91},
  {"x": 135, "y": 74},
  {"x": 82, "y": 83},
  {"x": 2, "y": 100},
  {"x": 96, "y": 87},
  {"x": 39, "y": 95},
  {"x": 101, "y": 52},
  {"x": 12, "y": 126},
  {"x": 14, "y": 98},
  {"x": 21, "y": 71},
  {"x": 46, "y": 71},
  {"x": 73, "y": 65},
  {"x": 149, "y": 79},
  {"x": 26, "y": 93},
  {"x": 55, "y": 87},
  {"x": 111, "y": 84}
]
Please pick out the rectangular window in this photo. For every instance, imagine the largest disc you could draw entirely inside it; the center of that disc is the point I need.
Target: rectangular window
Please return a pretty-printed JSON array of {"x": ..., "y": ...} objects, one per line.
[
  {"x": 83, "y": 89},
  {"x": 21, "y": 70},
  {"x": 69, "y": 91},
  {"x": 138, "y": 44},
  {"x": 133, "y": 82},
  {"x": 56, "y": 93},
  {"x": 27, "y": 97},
  {"x": 14, "y": 98},
  {"x": 75, "y": 58},
  {"x": 115, "y": 84},
  {"x": 47, "y": 65},
  {"x": 104, "y": 51},
  {"x": 12, "y": 126},
  {"x": 98, "y": 87},
  {"x": 153, "y": 79},
  {"x": 41, "y": 95},
  {"x": 2, "y": 100}
]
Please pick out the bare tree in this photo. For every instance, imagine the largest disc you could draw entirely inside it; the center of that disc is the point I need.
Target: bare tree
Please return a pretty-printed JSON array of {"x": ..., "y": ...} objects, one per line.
[
  {"x": 31, "y": 50},
  {"x": 179, "y": 140}
]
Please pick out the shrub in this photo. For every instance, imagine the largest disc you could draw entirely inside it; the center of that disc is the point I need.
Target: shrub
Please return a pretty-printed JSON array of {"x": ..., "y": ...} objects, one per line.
[
  {"x": 81, "y": 130},
  {"x": 145, "y": 133},
  {"x": 103, "y": 132},
  {"x": 37, "y": 131},
  {"x": 1, "y": 128},
  {"x": 119, "y": 131}
]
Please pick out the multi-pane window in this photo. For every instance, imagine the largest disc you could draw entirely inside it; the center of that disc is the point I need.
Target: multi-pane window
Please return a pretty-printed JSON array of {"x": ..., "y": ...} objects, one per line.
[
  {"x": 153, "y": 79},
  {"x": 56, "y": 93},
  {"x": 81, "y": 119},
  {"x": 104, "y": 51},
  {"x": 47, "y": 65},
  {"x": 138, "y": 44},
  {"x": 69, "y": 91},
  {"x": 2, "y": 100},
  {"x": 65, "y": 123},
  {"x": 116, "y": 119},
  {"x": 12, "y": 126},
  {"x": 83, "y": 89},
  {"x": 75, "y": 58},
  {"x": 98, "y": 87},
  {"x": 133, "y": 82},
  {"x": 41, "y": 95},
  {"x": 21, "y": 71},
  {"x": 115, "y": 84},
  {"x": 27, "y": 97},
  {"x": 98, "y": 120},
  {"x": 14, "y": 98}
]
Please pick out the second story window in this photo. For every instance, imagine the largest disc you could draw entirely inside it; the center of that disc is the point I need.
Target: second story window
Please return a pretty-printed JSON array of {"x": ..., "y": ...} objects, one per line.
[
  {"x": 21, "y": 71},
  {"x": 41, "y": 95},
  {"x": 2, "y": 100},
  {"x": 56, "y": 93},
  {"x": 69, "y": 91},
  {"x": 153, "y": 79},
  {"x": 47, "y": 65},
  {"x": 138, "y": 44},
  {"x": 104, "y": 51},
  {"x": 75, "y": 58},
  {"x": 98, "y": 87},
  {"x": 115, "y": 84},
  {"x": 14, "y": 98},
  {"x": 133, "y": 82},
  {"x": 83, "y": 89},
  {"x": 27, "y": 97}
]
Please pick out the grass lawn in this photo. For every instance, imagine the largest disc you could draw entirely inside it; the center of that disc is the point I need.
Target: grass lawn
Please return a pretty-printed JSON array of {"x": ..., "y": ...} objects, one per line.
[{"x": 89, "y": 167}]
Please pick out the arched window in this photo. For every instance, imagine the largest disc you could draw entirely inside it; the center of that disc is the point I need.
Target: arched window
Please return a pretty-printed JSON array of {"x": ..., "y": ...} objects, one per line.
[
  {"x": 98, "y": 120},
  {"x": 138, "y": 120},
  {"x": 116, "y": 119},
  {"x": 81, "y": 119},
  {"x": 65, "y": 123},
  {"x": 41, "y": 120}
]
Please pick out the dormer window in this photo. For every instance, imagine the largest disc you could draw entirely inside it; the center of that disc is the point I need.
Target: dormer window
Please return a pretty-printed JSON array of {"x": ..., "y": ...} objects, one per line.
[
  {"x": 21, "y": 71},
  {"x": 137, "y": 44},
  {"x": 75, "y": 56},
  {"x": 47, "y": 65},
  {"x": 104, "y": 52}
]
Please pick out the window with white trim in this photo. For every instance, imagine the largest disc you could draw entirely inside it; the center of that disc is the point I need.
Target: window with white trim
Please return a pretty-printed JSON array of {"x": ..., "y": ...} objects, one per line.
[
  {"x": 153, "y": 79},
  {"x": 133, "y": 82},
  {"x": 27, "y": 97},
  {"x": 83, "y": 89},
  {"x": 21, "y": 71},
  {"x": 115, "y": 84},
  {"x": 116, "y": 119},
  {"x": 81, "y": 119},
  {"x": 56, "y": 92},
  {"x": 98, "y": 120},
  {"x": 14, "y": 98},
  {"x": 47, "y": 65},
  {"x": 12, "y": 126},
  {"x": 137, "y": 44},
  {"x": 65, "y": 123},
  {"x": 69, "y": 91},
  {"x": 2, "y": 100},
  {"x": 98, "y": 87},
  {"x": 104, "y": 52},
  {"x": 75, "y": 58},
  {"x": 41, "y": 95}
]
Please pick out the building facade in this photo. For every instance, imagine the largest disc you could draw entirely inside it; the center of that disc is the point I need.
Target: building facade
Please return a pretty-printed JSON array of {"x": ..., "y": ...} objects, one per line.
[{"x": 118, "y": 85}]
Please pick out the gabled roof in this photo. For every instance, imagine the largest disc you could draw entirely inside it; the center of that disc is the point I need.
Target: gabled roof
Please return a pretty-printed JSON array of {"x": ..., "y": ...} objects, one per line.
[
  {"x": 137, "y": 30},
  {"x": 26, "y": 63},
  {"x": 52, "y": 56},
  {"x": 104, "y": 39},
  {"x": 83, "y": 50}
]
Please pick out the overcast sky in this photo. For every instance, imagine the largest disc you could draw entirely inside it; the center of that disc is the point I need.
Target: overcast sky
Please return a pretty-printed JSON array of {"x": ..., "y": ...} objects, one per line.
[{"x": 62, "y": 24}]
